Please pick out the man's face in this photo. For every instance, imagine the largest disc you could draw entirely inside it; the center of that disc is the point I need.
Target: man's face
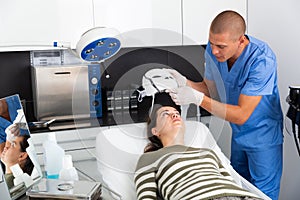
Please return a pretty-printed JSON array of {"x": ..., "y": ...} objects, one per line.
[
  {"x": 12, "y": 152},
  {"x": 223, "y": 46}
]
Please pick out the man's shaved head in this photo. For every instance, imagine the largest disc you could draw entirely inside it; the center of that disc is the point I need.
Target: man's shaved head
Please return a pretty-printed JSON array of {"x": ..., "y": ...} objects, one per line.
[{"x": 229, "y": 22}]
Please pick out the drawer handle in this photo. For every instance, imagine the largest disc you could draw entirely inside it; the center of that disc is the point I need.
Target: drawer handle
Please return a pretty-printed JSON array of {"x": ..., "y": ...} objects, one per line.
[{"x": 62, "y": 73}]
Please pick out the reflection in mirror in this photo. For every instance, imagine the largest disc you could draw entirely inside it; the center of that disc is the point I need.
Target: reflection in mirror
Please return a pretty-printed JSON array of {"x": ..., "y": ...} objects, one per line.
[{"x": 18, "y": 158}]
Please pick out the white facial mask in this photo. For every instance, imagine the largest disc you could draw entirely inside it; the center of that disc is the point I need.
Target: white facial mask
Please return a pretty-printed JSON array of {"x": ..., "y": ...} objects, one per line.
[{"x": 158, "y": 80}]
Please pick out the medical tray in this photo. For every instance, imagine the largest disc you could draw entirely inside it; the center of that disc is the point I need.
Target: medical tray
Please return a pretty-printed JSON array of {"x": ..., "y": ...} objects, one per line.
[{"x": 59, "y": 189}]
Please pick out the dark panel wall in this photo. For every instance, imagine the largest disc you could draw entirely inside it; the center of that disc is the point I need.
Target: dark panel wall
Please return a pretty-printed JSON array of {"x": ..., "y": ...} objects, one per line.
[
  {"x": 125, "y": 69},
  {"x": 134, "y": 62},
  {"x": 15, "y": 78}
]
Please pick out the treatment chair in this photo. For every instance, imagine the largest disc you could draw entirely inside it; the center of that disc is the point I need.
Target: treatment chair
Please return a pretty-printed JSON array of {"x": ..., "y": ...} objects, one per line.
[{"x": 119, "y": 148}]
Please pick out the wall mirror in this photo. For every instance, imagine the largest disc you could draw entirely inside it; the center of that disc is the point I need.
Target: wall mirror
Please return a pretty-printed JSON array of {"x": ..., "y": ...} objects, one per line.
[{"x": 19, "y": 166}]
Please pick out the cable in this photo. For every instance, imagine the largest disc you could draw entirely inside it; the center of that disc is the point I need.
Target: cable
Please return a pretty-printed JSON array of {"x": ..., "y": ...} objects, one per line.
[
  {"x": 295, "y": 136},
  {"x": 198, "y": 114},
  {"x": 152, "y": 83},
  {"x": 294, "y": 133},
  {"x": 297, "y": 143}
]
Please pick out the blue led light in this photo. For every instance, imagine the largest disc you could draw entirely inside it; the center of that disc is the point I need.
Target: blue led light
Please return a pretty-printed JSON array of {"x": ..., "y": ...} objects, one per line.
[{"x": 101, "y": 49}]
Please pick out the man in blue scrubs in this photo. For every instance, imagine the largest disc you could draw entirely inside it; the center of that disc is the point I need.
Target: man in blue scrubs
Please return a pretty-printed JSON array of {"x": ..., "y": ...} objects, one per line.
[
  {"x": 8, "y": 113},
  {"x": 240, "y": 86}
]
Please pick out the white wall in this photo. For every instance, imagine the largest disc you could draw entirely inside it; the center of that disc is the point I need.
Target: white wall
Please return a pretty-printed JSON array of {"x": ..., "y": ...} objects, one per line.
[{"x": 277, "y": 23}]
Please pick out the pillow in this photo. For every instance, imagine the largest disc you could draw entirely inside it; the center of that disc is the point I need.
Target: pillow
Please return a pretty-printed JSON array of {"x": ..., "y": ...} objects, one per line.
[{"x": 119, "y": 148}]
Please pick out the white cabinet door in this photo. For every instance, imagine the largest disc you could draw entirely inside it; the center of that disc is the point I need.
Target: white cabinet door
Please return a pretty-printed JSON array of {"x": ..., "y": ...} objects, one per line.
[
  {"x": 33, "y": 23},
  {"x": 198, "y": 14},
  {"x": 142, "y": 22}
]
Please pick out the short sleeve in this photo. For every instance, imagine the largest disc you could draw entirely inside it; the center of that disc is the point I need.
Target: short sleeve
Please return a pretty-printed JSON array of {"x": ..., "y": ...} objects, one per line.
[{"x": 262, "y": 77}]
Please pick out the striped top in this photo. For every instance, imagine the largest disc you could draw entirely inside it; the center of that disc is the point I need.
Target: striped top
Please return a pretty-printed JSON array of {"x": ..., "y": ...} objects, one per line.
[{"x": 180, "y": 172}]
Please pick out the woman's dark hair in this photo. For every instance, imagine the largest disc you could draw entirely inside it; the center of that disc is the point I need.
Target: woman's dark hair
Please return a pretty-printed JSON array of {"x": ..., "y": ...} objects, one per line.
[
  {"x": 155, "y": 142},
  {"x": 28, "y": 166}
]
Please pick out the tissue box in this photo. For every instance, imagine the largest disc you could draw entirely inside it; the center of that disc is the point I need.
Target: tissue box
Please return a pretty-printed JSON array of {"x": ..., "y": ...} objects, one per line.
[{"x": 59, "y": 189}]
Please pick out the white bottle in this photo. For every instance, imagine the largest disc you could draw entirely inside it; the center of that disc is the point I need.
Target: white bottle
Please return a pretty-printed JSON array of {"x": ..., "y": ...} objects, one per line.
[
  {"x": 68, "y": 172},
  {"x": 20, "y": 176},
  {"x": 53, "y": 157},
  {"x": 36, "y": 172}
]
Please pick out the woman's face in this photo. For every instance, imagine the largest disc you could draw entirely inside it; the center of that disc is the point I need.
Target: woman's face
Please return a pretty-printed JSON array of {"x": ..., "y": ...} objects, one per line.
[
  {"x": 168, "y": 121},
  {"x": 12, "y": 153}
]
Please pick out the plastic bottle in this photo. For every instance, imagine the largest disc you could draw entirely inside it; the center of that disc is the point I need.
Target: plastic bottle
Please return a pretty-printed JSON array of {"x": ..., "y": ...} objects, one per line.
[
  {"x": 68, "y": 172},
  {"x": 53, "y": 157},
  {"x": 20, "y": 176},
  {"x": 36, "y": 172}
]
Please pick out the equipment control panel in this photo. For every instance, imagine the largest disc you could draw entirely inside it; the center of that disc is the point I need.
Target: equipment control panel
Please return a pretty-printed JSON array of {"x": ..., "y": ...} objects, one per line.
[{"x": 95, "y": 95}]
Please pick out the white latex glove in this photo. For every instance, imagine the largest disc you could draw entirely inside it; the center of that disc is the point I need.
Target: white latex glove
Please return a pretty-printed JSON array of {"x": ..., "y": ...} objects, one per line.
[
  {"x": 186, "y": 95},
  {"x": 180, "y": 79},
  {"x": 11, "y": 132}
]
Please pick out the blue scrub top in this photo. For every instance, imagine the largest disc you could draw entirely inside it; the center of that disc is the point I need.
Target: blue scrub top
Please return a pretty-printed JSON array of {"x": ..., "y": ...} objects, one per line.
[
  {"x": 14, "y": 104},
  {"x": 254, "y": 73}
]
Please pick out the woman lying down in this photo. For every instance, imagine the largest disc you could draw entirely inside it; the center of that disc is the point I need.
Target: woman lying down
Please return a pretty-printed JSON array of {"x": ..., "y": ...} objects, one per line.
[{"x": 170, "y": 170}]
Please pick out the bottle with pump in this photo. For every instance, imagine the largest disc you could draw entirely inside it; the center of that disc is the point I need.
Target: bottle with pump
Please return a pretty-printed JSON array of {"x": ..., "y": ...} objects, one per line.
[
  {"x": 53, "y": 157},
  {"x": 68, "y": 172}
]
